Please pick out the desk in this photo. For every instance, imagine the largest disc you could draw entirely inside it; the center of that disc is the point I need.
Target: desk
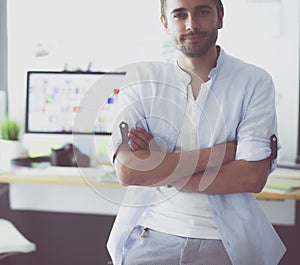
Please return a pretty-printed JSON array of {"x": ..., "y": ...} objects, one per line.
[
  {"x": 293, "y": 195},
  {"x": 70, "y": 190},
  {"x": 284, "y": 175},
  {"x": 95, "y": 177},
  {"x": 66, "y": 176},
  {"x": 67, "y": 191}
]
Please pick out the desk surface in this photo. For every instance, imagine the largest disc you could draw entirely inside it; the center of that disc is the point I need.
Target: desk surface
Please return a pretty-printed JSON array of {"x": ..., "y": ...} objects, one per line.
[
  {"x": 285, "y": 176},
  {"x": 292, "y": 195},
  {"x": 98, "y": 177},
  {"x": 63, "y": 176}
]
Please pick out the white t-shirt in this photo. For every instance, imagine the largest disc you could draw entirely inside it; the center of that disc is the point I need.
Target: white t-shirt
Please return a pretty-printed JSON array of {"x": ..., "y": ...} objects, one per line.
[{"x": 184, "y": 213}]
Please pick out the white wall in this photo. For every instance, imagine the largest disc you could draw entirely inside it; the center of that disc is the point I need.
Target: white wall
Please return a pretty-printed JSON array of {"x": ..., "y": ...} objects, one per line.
[
  {"x": 266, "y": 33},
  {"x": 114, "y": 33},
  {"x": 107, "y": 33}
]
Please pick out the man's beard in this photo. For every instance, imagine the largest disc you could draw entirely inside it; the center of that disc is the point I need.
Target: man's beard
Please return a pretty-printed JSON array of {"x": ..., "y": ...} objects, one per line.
[{"x": 196, "y": 49}]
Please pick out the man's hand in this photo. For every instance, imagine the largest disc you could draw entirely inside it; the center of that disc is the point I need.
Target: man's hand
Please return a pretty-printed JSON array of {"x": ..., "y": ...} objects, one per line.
[{"x": 142, "y": 140}]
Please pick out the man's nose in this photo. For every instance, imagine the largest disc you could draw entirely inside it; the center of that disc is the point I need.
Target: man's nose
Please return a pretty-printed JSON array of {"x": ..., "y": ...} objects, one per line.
[{"x": 191, "y": 23}]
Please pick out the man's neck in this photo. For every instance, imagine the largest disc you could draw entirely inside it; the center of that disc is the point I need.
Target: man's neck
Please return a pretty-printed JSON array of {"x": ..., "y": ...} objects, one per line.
[{"x": 199, "y": 67}]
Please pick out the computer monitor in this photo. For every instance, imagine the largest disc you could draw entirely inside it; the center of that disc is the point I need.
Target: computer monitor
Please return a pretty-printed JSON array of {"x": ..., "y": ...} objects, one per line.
[
  {"x": 56, "y": 99},
  {"x": 53, "y": 100}
]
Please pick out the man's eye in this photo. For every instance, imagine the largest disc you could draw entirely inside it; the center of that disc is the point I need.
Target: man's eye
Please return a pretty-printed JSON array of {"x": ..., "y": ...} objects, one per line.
[
  {"x": 179, "y": 15},
  {"x": 203, "y": 12}
]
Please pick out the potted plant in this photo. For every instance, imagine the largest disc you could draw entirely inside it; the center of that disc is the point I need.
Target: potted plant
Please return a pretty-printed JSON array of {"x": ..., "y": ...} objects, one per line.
[
  {"x": 10, "y": 130},
  {"x": 10, "y": 146}
]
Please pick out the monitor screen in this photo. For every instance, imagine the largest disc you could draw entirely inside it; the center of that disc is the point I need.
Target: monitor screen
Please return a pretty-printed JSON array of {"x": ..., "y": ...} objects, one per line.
[{"x": 53, "y": 100}]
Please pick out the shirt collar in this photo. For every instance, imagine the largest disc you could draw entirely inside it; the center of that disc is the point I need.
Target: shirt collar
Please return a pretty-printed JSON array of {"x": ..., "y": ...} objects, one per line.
[
  {"x": 217, "y": 68},
  {"x": 213, "y": 72}
]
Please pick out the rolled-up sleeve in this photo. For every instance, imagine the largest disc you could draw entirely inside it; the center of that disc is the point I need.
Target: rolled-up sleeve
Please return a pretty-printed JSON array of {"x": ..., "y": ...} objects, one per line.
[{"x": 258, "y": 124}]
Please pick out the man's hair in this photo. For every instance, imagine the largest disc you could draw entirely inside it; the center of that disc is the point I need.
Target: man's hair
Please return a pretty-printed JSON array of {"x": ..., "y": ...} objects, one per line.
[{"x": 163, "y": 6}]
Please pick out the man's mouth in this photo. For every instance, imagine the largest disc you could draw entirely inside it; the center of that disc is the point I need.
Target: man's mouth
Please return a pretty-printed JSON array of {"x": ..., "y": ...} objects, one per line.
[{"x": 193, "y": 36}]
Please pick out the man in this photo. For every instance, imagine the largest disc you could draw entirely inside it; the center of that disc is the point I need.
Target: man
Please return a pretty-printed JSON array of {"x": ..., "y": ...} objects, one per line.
[{"x": 210, "y": 118}]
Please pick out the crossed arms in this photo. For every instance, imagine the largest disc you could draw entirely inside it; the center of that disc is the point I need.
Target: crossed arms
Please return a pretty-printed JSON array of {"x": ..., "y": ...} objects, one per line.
[{"x": 211, "y": 170}]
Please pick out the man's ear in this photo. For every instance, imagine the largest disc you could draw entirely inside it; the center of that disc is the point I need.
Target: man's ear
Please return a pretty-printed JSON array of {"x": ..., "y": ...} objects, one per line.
[
  {"x": 220, "y": 23},
  {"x": 164, "y": 23},
  {"x": 220, "y": 19}
]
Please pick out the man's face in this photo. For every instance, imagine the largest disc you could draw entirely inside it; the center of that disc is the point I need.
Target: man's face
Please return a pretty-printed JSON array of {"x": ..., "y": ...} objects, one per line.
[{"x": 193, "y": 25}]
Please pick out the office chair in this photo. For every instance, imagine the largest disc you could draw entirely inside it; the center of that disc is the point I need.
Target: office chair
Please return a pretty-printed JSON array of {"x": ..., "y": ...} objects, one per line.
[{"x": 12, "y": 241}]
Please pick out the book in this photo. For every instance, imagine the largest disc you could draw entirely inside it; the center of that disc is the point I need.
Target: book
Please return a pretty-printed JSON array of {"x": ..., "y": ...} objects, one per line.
[{"x": 281, "y": 185}]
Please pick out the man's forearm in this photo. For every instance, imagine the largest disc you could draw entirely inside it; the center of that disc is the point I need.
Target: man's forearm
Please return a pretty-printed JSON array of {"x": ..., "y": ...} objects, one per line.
[
  {"x": 233, "y": 177},
  {"x": 149, "y": 168}
]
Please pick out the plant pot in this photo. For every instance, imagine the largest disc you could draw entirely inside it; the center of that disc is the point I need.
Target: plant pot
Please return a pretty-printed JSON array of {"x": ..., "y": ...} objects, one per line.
[{"x": 9, "y": 150}]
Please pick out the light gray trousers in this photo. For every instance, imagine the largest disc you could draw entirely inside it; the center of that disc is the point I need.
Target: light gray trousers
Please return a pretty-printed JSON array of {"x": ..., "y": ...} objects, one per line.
[{"x": 156, "y": 248}]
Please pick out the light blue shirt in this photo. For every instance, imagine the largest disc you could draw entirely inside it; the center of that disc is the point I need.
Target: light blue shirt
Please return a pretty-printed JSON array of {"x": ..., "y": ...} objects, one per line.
[{"x": 239, "y": 106}]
